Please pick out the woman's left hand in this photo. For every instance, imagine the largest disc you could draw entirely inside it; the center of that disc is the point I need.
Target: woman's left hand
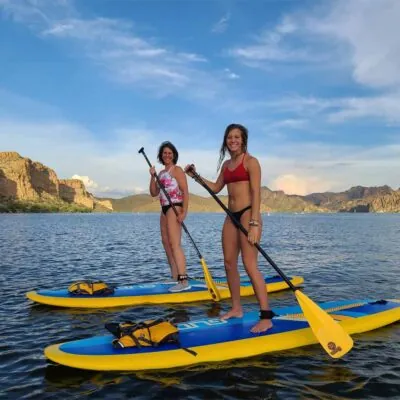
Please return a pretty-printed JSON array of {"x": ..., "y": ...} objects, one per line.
[{"x": 253, "y": 234}]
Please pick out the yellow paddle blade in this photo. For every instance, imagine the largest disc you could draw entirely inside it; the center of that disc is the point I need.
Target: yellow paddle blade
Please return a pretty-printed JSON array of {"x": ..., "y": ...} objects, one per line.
[
  {"x": 212, "y": 288},
  {"x": 333, "y": 338}
]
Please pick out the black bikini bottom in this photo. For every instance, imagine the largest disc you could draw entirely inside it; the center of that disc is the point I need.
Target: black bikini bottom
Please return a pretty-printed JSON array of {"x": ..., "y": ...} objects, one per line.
[
  {"x": 238, "y": 214},
  {"x": 166, "y": 208}
]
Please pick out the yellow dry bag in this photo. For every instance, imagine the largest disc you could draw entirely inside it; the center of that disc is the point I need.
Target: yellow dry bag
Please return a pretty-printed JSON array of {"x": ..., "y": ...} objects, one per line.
[
  {"x": 90, "y": 288},
  {"x": 143, "y": 334}
]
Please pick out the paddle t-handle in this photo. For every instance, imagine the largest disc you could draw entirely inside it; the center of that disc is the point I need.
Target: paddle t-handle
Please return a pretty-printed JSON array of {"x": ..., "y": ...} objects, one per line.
[{"x": 141, "y": 151}]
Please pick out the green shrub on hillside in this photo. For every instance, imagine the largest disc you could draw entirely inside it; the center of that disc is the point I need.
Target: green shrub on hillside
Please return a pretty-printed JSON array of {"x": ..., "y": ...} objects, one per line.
[{"x": 16, "y": 206}]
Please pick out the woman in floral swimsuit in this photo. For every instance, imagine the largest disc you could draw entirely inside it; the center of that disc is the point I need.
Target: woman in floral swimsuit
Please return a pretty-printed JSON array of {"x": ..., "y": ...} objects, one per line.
[{"x": 174, "y": 181}]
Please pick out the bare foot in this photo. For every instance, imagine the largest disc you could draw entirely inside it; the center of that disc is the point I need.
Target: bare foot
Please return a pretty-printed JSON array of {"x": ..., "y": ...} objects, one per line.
[
  {"x": 261, "y": 326},
  {"x": 232, "y": 314}
]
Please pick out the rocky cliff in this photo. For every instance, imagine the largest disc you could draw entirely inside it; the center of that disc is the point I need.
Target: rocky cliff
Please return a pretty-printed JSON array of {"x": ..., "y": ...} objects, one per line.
[
  {"x": 103, "y": 205},
  {"x": 74, "y": 191},
  {"x": 359, "y": 199},
  {"x": 22, "y": 179},
  {"x": 387, "y": 203}
]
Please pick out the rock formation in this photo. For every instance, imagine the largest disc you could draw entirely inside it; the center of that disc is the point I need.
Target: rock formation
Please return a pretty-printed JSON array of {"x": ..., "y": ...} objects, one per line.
[
  {"x": 387, "y": 203},
  {"x": 74, "y": 191},
  {"x": 359, "y": 199},
  {"x": 22, "y": 179},
  {"x": 103, "y": 205}
]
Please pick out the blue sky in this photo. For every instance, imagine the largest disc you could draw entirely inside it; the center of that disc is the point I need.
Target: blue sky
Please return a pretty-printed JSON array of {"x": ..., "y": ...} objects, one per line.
[{"x": 84, "y": 84}]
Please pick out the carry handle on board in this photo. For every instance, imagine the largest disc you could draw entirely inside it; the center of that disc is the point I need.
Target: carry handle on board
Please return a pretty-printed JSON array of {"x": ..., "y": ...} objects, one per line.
[
  {"x": 333, "y": 338},
  {"x": 211, "y": 286}
]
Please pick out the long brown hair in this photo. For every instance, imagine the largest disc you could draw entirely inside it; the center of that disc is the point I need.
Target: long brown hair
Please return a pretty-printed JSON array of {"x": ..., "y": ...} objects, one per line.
[{"x": 243, "y": 130}]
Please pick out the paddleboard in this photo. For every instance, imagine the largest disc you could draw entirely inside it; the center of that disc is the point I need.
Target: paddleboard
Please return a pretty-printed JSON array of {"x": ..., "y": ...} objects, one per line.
[
  {"x": 214, "y": 340},
  {"x": 153, "y": 293}
]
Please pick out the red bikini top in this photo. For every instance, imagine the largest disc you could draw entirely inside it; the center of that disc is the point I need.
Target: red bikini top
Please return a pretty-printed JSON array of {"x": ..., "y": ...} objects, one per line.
[{"x": 237, "y": 175}]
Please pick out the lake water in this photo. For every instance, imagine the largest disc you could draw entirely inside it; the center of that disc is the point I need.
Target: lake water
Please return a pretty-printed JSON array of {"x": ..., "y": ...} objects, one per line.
[{"x": 340, "y": 256}]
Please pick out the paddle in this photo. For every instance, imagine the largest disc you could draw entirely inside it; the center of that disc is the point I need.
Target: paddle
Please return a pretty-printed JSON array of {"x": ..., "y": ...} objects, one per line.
[
  {"x": 333, "y": 338},
  {"x": 212, "y": 288}
]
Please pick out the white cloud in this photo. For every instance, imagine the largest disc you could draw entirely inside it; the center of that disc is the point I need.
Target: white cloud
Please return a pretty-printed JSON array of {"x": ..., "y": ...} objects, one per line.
[
  {"x": 89, "y": 183},
  {"x": 301, "y": 104},
  {"x": 332, "y": 110},
  {"x": 131, "y": 59},
  {"x": 230, "y": 74},
  {"x": 293, "y": 123},
  {"x": 121, "y": 53},
  {"x": 368, "y": 29},
  {"x": 191, "y": 57},
  {"x": 268, "y": 49},
  {"x": 293, "y": 184},
  {"x": 314, "y": 167},
  {"x": 357, "y": 36},
  {"x": 385, "y": 106},
  {"x": 282, "y": 44},
  {"x": 138, "y": 190},
  {"x": 287, "y": 25},
  {"x": 222, "y": 24},
  {"x": 36, "y": 12}
]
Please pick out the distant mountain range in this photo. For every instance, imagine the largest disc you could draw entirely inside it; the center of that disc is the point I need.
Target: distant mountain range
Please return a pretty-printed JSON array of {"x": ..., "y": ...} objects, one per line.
[
  {"x": 356, "y": 199},
  {"x": 29, "y": 186},
  {"x": 359, "y": 199}
]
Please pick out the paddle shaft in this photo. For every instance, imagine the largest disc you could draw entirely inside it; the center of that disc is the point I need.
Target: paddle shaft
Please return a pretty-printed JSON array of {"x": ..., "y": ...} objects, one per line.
[
  {"x": 199, "y": 179},
  {"x": 171, "y": 203}
]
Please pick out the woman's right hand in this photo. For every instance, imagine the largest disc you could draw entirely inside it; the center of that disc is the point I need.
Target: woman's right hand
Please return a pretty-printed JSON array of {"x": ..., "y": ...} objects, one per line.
[
  {"x": 152, "y": 170},
  {"x": 189, "y": 169}
]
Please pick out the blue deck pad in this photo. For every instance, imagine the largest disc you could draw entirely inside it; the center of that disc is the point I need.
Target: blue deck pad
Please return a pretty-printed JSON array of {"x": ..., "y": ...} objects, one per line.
[
  {"x": 325, "y": 306},
  {"x": 154, "y": 288},
  {"x": 210, "y": 331},
  {"x": 226, "y": 332},
  {"x": 369, "y": 309}
]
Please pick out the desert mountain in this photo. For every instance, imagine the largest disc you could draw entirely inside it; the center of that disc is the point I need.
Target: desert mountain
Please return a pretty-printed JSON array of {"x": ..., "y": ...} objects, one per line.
[
  {"x": 26, "y": 185},
  {"x": 359, "y": 199}
]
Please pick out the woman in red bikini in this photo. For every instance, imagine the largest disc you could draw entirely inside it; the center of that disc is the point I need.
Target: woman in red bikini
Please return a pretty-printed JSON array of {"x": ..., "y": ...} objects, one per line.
[
  {"x": 174, "y": 181},
  {"x": 242, "y": 175}
]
